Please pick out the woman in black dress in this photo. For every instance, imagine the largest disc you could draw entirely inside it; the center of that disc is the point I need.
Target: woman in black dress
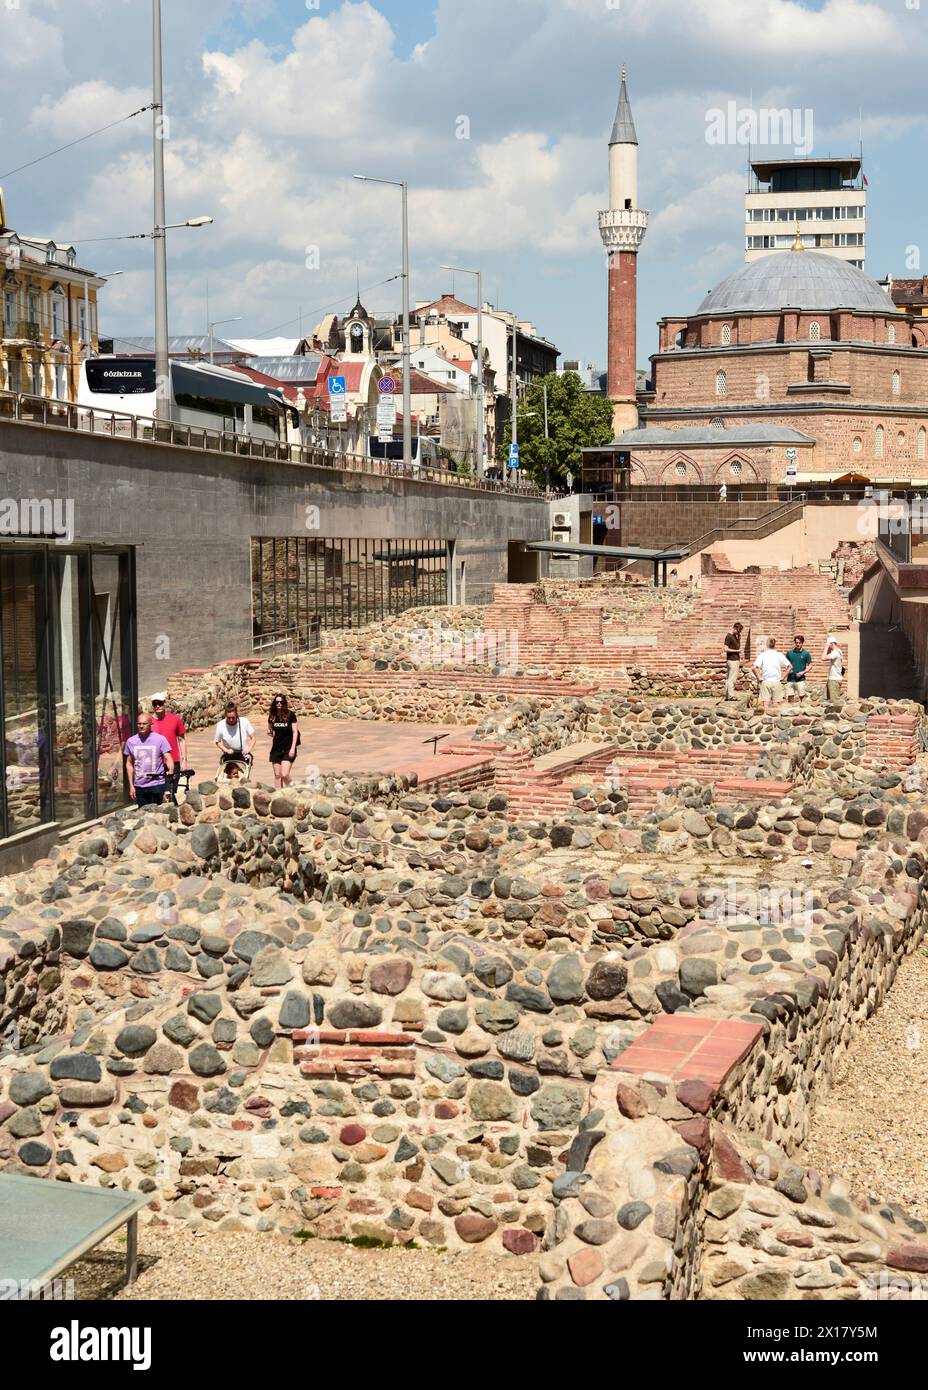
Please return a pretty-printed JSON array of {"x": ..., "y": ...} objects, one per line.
[{"x": 285, "y": 738}]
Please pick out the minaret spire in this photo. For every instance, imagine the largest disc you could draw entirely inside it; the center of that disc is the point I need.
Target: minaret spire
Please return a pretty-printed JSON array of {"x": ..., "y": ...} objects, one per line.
[
  {"x": 622, "y": 228},
  {"x": 623, "y": 129}
]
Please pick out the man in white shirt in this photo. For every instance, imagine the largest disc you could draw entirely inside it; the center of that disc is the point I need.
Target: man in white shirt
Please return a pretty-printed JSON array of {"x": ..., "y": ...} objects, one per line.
[
  {"x": 835, "y": 658},
  {"x": 771, "y": 669},
  {"x": 235, "y": 735}
]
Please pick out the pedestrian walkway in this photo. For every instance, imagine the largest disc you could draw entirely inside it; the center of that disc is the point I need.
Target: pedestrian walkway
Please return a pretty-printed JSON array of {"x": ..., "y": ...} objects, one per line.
[{"x": 342, "y": 746}]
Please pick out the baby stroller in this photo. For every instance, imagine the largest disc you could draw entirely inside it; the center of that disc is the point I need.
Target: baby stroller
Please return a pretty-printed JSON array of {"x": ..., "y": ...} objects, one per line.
[
  {"x": 184, "y": 779},
  {"x": 235, "y": 769}
]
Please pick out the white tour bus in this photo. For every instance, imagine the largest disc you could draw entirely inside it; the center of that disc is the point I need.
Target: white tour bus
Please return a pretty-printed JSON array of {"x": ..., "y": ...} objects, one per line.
[{"x": 202, "y": 395}]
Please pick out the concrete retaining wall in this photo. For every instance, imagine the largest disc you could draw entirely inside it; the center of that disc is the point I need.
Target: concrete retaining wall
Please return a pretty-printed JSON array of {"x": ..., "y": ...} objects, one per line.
[{"x": 192, "y": 515}]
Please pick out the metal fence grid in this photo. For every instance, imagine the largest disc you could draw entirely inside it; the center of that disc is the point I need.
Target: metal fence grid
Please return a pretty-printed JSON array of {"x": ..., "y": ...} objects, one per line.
[{"x": 302, "y": 586}]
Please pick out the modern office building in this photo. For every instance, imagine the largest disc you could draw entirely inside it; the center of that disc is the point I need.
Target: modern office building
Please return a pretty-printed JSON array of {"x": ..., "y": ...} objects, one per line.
[{"x": 827, "y": 198}]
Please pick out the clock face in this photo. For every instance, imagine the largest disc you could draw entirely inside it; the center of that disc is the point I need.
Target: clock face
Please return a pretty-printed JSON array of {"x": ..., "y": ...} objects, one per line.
[{"x": 357, "y": 333}]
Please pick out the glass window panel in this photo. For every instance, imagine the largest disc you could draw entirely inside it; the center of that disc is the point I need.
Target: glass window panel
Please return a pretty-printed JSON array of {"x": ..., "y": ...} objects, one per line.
[
  {"x": 26, "y": 722},
  {"x": 111, "y": 681},
  {"x": 72, "y": 741}
]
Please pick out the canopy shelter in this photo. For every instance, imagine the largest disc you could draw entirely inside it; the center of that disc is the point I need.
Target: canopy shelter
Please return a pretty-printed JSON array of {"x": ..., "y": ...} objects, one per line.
[
  {"x": 659, "y": 558},
  {"x": 46, "y": 1225}
]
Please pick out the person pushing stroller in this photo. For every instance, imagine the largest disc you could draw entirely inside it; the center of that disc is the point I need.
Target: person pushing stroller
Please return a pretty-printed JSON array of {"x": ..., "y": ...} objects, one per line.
[{"x": 235, "y": 739}]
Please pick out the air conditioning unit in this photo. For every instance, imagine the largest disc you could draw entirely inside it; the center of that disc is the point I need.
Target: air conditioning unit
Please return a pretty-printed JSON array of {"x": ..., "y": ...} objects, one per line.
[
  {"x": 562, "y": 519},
  {"x": 560, "y": 537}
]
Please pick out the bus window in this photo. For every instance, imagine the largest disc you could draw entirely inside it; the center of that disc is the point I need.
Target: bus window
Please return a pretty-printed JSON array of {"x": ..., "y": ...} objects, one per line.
[{"x": 128, "y": 377}]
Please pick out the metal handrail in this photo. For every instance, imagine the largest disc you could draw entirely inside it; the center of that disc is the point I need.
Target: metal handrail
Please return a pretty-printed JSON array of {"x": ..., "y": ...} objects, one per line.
[
  {"x": 750, "y": 523},
  {"x": 56, "y": 414}
]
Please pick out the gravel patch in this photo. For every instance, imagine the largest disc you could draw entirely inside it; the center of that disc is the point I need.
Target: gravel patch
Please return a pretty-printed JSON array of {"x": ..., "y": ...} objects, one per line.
[
  {"x": 216, "y": 1266},
  {"x": 872, "y": 1128}
]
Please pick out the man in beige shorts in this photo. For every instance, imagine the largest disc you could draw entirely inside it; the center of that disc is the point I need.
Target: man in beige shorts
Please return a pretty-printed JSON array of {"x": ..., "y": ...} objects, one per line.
[{"x": 771, "y": 669}]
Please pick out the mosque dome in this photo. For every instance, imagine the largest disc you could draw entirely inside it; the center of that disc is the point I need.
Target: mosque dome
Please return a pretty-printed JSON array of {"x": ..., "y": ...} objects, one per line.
[{"x": 797, "y": 279}]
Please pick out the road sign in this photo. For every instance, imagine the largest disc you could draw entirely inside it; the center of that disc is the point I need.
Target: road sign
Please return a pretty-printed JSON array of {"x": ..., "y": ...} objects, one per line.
[
  {"x": 513, "y": 456},
  {"x": 791, "y": 453},
  {"x": 385, "y": 433},
  {"x": 338, "y": 410},
  {"x": 386, "y": 412},
  {"x": 386, "y": 385},
  {"x": 337, "y": 386}
]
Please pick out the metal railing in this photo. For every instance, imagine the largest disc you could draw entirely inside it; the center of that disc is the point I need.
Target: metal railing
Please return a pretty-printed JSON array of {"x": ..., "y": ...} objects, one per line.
[
  {"x": 756, "y": 492},
  {"x": 746, "y": 525},
  {"x": 302, "y": 637},
  {"x": 65, "y": 415},
  {"x": 28, "y": 330}
]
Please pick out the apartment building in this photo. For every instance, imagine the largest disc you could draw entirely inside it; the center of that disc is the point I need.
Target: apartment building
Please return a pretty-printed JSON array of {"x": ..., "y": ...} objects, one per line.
[
  {"x": 49, "y": 314},
  {"x": 826, "y": 198}
]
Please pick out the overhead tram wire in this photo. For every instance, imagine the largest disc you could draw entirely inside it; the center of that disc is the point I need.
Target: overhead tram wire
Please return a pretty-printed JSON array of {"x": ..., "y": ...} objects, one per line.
[
  {"x": 327, "y": 307},
  {"x": 79, "y": 141},
  {"x": 265, "y": 331}
]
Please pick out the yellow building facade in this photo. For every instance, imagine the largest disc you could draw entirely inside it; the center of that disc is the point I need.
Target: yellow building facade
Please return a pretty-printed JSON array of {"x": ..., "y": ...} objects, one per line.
[{"x": 49, "y": 314}]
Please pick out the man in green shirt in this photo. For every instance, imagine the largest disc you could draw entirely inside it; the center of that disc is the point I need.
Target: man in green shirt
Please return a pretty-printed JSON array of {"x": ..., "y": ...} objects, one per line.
[{"x": 799, "y": 659}]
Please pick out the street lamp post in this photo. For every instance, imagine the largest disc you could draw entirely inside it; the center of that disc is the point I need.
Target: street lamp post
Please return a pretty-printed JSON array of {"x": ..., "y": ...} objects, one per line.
[
  {"x": 515, "y": 401},
  {"x": 481, "y": 414},
  {"x": 162, "y": 365},
  {"x": 216, "y": 323},
  {"x": 407, "y": 392}
]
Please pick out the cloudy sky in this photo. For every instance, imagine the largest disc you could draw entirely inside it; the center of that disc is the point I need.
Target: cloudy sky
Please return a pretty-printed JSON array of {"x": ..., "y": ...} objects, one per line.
[{"x": 274, "y": 104}]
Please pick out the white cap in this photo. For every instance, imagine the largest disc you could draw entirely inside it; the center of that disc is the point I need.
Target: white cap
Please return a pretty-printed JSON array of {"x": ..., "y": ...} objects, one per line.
[{"x": 159, "y": 697}]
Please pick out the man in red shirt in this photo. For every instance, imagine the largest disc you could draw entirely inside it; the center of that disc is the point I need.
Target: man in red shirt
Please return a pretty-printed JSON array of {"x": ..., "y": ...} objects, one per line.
[{"x": 171, "y": 727}]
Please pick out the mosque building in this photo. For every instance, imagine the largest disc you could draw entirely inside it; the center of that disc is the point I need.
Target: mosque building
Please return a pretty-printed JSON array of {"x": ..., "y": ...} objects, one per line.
[{"x": 796, "y": 368}]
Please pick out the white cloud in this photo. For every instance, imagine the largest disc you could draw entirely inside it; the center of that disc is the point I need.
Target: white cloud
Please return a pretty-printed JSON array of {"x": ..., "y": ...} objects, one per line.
[
  {"x": 28, "y": 43},
  {"x": 88, "y": 106},
  {"x": 267, "y": 132}
]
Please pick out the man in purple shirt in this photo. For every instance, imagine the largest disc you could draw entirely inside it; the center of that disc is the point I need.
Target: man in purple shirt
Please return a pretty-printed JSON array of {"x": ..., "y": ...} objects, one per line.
[{"x": 149, "y": 765}]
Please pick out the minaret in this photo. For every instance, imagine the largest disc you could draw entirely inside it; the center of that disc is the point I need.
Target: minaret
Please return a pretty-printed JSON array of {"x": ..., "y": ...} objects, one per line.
[{"x": 622, "y": 229}]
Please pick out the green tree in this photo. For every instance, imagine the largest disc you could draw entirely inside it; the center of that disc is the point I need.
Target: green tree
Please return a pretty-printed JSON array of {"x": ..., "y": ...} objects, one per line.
[{"x": 577, "y": 419}]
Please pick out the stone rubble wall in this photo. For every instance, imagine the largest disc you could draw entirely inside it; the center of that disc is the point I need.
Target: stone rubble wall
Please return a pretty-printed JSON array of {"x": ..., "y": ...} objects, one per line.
[
  {"x": 360, "y": 1057},
  {"x": 672, "y": 1220},
  {"x": 661, "y": 1200},
  {"x": 32, "y": 1002}
]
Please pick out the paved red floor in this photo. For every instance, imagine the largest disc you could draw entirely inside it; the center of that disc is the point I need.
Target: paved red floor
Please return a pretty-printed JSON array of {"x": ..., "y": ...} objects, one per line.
[
  {"x": 347, "y": 745},
  {"x": 684, "y": 1047}
]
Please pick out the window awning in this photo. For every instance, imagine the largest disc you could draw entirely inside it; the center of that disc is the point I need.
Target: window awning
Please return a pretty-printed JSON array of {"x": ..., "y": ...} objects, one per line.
[{"x": 831, "y": 479}]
